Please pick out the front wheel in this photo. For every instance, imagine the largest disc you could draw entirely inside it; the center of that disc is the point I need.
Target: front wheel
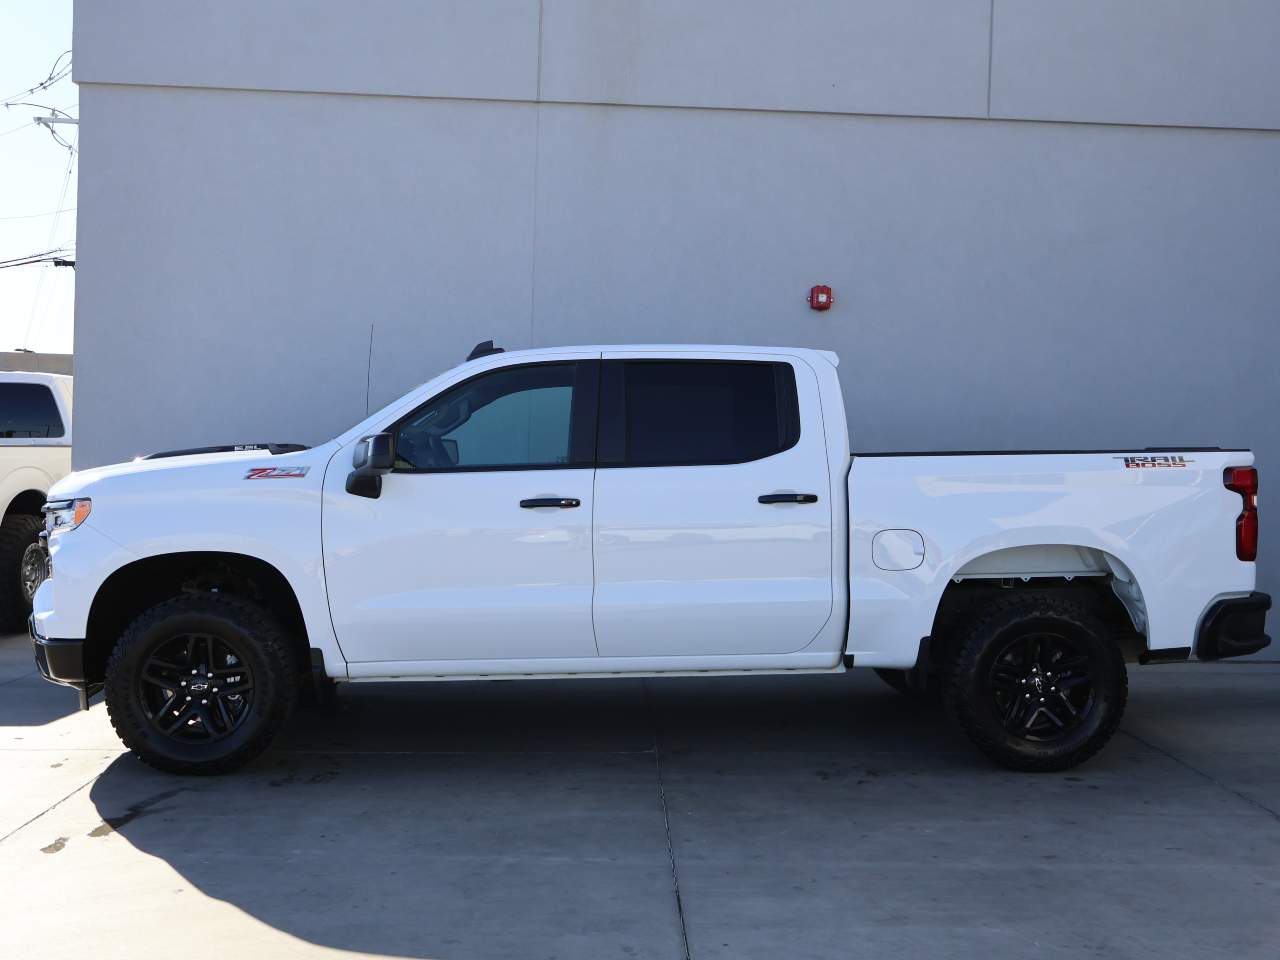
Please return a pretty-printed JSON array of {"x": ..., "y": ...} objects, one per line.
[
  {"x": 200, "y": 683},
  {"x": 1038, "y": 684}
]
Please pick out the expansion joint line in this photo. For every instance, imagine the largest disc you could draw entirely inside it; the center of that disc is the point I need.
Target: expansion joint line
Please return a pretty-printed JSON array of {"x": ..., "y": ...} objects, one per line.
[
  {"x": 1196, "y": 770},
  {"x": 666, "y": 820}
]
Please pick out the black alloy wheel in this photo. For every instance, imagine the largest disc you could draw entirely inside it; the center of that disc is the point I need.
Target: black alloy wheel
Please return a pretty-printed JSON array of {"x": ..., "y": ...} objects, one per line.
[
  {"x": 202, "y": 683},
  {"x": 1042, "y": 687},
  {"x": 1037, "y": 682},
  {"x": 196, "y": 687}
]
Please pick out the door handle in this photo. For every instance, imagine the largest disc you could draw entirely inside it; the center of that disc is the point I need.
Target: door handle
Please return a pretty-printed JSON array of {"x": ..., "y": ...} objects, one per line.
[
  {"x": 562, "y": 502},
  {"x": 789, "y": 498}
]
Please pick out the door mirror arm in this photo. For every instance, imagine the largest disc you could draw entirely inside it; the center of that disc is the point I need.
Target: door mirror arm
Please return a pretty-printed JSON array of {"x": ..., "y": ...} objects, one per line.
[{"x": 373, "y": 456}]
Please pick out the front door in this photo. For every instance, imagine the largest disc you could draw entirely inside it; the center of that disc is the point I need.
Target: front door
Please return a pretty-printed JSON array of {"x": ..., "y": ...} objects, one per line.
[
  {"x": 479, "y": 547},
  {"x": 712, "y": 508}
]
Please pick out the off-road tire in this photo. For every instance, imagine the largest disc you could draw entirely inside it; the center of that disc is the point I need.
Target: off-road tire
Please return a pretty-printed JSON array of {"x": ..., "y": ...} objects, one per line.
[
  {"x": 969, "y": 694},
  {"x": 233, "y": 620},
  {"x": 17, "y": 532}
]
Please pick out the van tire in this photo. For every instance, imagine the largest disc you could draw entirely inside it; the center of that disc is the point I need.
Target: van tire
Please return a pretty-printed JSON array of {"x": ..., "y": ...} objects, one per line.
[{"x": 18, "y": 531}]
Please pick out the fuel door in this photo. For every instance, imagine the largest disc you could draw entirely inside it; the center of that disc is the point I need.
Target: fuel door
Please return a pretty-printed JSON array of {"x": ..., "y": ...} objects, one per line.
[{"x": 897, "y": 550}]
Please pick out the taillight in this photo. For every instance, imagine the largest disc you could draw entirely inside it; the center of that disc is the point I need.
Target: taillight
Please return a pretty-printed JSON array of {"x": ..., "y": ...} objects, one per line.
[{"x": 1244, "y": 481}]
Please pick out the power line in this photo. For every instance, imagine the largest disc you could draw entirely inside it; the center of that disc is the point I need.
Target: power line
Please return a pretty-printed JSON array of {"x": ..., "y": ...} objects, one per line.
[
  {"x": 53, "y": 232},
  {"x": 70, "y": 146},
  {"x": 42, "y": 257},
  {"x": 56, "y": 73},
  {"x": 21, "y": 126},
  {"x": 33, "y": 122},
  {"x": 56, "y": 261},
  {"x": 54, "y": 111},
  {"x": 37, "y": 216},
  {"x": 55, "y": 116}
]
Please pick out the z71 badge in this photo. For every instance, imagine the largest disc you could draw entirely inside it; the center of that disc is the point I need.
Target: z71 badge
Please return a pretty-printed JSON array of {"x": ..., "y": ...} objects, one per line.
[
  {"x": 1138, "y": 463},
  {"x": 276, "y": 473}
]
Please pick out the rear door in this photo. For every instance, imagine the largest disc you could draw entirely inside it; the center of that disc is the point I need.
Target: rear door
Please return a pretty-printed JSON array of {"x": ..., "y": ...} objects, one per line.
[{"x": 712, "y": 507}]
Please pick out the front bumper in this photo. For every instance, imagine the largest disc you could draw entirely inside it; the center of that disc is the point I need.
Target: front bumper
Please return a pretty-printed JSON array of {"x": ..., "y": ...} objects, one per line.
[
  {"x": 62, "y": 661},
  {"x": 1234, "y": 627}
]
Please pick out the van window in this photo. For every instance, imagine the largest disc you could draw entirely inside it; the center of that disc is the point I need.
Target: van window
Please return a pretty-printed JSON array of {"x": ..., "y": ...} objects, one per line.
[{"x": 28, "y": 410}]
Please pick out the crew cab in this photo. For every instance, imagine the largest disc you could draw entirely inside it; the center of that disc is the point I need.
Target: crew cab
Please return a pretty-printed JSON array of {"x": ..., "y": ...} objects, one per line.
[{"x": 639, "y": 511}]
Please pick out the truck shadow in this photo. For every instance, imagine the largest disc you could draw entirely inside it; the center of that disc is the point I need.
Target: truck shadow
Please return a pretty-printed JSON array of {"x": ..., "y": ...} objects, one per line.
[
  {"x": 26, "y": 700},
  {"x": 31, "y": 701},
  {"x": 815, "y": 817},
  {"x": 515, "y": 818}
]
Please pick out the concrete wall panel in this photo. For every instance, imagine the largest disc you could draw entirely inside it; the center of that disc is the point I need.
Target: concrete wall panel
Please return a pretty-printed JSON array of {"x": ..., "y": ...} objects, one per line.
[
  {"x": 999, "y": 285},
  {"x": 924, "y": 57},
  {"x": 1207, "y": 63},
  {"x": 233, "y": 258},
  {"x": 425, "y": 48}
]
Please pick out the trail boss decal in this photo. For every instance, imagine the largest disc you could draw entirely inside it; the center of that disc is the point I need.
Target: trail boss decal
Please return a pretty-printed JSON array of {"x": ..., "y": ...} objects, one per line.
[
  {"x": 276, "y": 473},
  {"x": 1138, "y": 463}
]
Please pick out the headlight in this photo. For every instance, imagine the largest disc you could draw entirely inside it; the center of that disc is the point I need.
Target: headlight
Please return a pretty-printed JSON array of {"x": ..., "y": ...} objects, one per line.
[{"x": 63, "y": 515}]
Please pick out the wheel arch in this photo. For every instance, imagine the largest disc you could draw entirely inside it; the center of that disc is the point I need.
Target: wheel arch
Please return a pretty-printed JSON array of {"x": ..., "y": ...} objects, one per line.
[
  {"x": 137, "y": 586},
  {"x": 1089, "y": 575},
  {"x": 27, "y": 503}
]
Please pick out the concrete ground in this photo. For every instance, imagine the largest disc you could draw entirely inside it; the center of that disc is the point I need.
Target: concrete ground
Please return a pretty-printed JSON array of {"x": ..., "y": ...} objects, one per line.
[{"x": 750, "y": 818}]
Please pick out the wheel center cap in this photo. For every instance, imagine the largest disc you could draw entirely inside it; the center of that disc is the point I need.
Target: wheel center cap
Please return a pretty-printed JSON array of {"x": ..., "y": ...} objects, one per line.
[{"x": 200, "y": 686}]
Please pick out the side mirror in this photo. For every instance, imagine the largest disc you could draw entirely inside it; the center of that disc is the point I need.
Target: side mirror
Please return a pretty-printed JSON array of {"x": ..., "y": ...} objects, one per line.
[
  {"x": 373, "y": 456},
  {"x": 450, "y": 450}
]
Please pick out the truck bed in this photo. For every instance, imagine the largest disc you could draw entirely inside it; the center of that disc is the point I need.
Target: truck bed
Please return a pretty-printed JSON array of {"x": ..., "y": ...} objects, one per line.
[{"x": 1158, "y": 522}]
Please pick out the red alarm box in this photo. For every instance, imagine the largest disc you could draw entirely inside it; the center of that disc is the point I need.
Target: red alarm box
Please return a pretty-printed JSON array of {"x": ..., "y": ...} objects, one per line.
[{"x": 821, "y": 298}]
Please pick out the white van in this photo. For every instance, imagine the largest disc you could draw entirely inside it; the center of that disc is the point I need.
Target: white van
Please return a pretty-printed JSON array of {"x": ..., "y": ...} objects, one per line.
[{"x": 35, "y": 453}]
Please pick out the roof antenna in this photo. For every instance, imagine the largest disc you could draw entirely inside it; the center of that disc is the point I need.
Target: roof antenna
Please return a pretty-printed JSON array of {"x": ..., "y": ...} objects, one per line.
[{"x": 483, "y": 349}]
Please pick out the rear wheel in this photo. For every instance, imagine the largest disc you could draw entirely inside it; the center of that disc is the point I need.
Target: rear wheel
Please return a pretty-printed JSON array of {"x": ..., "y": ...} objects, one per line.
[
  {"x": 19, "y": 533},
  {"x": 200, "y": 683},
  {"x": 1037, "y": 684}
]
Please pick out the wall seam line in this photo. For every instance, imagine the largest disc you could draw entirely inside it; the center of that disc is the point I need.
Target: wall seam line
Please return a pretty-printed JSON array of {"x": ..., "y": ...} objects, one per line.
[
  {"x": 537, "y": 151},
  {"x": 991, "y": 50},
  {"x": 533, "y": 225},
  {"x": 974, "y": 118},
  {"x": 538, "y": 82}
]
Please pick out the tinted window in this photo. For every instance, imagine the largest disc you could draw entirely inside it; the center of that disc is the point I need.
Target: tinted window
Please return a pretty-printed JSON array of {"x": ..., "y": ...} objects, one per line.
[
  {"x": 511, "y": 418},
  {"x": 659, "y": 412},
  {"x": 28, "y": 410}
]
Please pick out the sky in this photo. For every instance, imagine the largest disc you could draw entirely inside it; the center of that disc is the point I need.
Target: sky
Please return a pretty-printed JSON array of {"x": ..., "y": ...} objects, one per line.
[{"x": 36, "y": 302}]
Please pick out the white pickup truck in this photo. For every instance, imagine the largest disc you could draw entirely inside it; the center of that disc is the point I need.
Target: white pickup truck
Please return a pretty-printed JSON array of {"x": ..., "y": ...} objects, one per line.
[
  {"x": 639, "y": 511},
  {"x": 35, "y": 453}
]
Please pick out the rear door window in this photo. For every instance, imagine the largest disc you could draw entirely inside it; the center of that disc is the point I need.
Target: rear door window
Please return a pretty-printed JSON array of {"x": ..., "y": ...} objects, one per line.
[
  {"x": 691, "y": 412},
  {"x": 28, "y": 410}
]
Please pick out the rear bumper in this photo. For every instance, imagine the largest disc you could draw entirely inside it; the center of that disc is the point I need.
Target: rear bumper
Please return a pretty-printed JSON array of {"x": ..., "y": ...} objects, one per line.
[
  {"x": 1234, "y": 627},
  {"x": 62, "y": 661}
]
